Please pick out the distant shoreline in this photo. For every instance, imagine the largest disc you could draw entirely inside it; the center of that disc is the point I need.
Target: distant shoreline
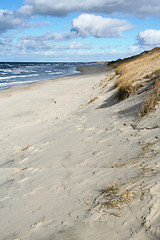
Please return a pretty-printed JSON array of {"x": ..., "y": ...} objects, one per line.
[
  {"x": 80, "y": 69},
  {"x": 15, "y": 74}
]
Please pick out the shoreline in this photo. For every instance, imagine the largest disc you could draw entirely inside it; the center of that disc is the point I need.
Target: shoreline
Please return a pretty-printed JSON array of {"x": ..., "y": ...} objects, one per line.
[
  {"x": 73, "y": 157},
  {"x": 84, "y": 69},
  {"x": 79, "y": 71}
]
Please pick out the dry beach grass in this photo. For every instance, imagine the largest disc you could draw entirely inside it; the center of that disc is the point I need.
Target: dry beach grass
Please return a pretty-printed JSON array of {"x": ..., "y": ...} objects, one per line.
[
  {"x": 152, "y": 99},
  {"x": 134, "y": 73}
]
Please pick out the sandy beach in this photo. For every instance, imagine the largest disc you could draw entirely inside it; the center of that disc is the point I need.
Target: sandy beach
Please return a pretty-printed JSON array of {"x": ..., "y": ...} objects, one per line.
[{"x": 76, "y": 163}]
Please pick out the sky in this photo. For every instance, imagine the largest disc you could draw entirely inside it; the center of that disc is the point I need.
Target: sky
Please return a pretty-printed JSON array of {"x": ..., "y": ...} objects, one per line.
[{"x": 77, "y": 30}]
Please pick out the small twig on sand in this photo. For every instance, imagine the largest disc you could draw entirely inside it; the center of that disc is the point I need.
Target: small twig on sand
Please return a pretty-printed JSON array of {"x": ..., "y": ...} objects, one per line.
[{"x": 145, "y": 90}]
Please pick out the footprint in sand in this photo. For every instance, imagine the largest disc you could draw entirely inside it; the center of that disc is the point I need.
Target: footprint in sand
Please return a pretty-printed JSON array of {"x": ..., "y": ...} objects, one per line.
[
  {"x": 66, "y": 159},
  {"x": 5, "y": 186},
  {"x": 24, "y": 160},
  {"x": 7, "y": 164},
  {"x": 24, "y": 179},
  {"x": 40, "y": 223}
]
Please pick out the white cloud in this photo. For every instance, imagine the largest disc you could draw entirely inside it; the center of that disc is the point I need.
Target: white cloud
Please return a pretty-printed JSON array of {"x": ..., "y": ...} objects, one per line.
[
  {"x": 15, "y": 20},
  {"x": 142, "y": 8},
  {"x": 84, "y": 26},
  {"x": 145, "y": 40},
  {"x": 133, "y": 49},
  {"x": 78, "y": 45},
  {"x": 59, "y": 36},
  {"x": 90, "y": 25},
  {"x": 26, "y": 10},
  {"x": 35, "y": 50},
  {"x": 49, "y": 36},
  {"x": 149, "y": 37},
  {"x": 11, "y": 20},
  {"x": 37, "y": 45},
  {"x": 32, "y": 45}
]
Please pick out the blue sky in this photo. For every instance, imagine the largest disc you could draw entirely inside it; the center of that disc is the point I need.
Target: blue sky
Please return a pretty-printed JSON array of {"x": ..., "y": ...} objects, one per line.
[{"x": 86, "y": 30}]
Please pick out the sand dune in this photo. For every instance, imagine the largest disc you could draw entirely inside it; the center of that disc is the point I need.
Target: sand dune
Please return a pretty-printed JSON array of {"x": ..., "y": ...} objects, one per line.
[{"x": 76, "y": 163}]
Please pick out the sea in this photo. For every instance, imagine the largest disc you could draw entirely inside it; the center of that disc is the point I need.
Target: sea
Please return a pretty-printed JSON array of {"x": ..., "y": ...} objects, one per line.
[{"x": 20, "y": 73}]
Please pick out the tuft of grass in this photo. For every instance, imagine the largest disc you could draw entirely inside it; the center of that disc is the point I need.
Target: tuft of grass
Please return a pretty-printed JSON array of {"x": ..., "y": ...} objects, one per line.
[
  {"x": 19, "y": 171},
  {"x": 101, "y": 82},
  {"x": 24, "y": 149},
  {"x": 124, "y": 91},
  {"x": 21, "y": 150},
  {"x": 133, "y": 73},
  {"x": 92, "y": 100},
  {"x": 113, "y": 189},
  {"x": 154, "y": 75},
  {"x": 151, "y": 100},
  {"x": 148, "y": 146},
  {"x": 125, "y": 164},
  {"x": 111, "y": 197},
  {"x": 105, "y": 85}
]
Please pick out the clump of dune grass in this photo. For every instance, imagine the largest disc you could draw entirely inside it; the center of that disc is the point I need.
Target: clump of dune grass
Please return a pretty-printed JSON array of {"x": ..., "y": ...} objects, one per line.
[
  {"x": 133, "y": 73},
  {"x": 148, "y": 146},
  {"x": 154, "y": 75},
  {"x": 151, "y": 100},
  {"x": 112, "y": 197},
  {"x": 124, "y": 91}
]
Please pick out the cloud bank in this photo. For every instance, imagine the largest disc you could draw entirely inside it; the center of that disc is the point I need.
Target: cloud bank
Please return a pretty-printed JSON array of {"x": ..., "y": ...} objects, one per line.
[
  {"x": 141, "y": 8},
  {"x": 11, "y": 20},
  {"x": 49, "y": 36}
]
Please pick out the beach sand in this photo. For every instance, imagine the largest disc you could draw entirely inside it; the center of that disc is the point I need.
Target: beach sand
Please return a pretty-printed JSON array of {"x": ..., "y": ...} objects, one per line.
[{"x": 76, "y": 163}]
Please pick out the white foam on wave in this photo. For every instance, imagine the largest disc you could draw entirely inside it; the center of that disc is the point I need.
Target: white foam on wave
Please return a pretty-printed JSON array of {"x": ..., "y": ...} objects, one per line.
[
  {"x": 4, "y": 73},
  {"x": 18, "y": 71},
  {"x": 17, "y": 83},
  {"x": 56, "y": 73},
  {"x": 5, "y": 70},
  {"x": 9, "y": 77},
  {"x": 19, "y": 76}
]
